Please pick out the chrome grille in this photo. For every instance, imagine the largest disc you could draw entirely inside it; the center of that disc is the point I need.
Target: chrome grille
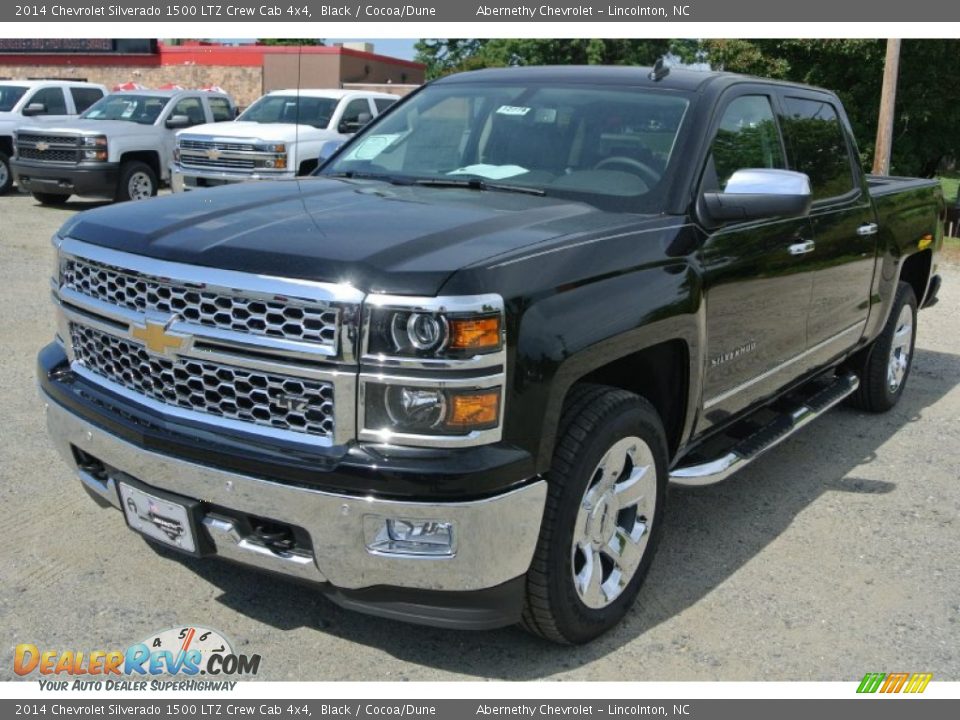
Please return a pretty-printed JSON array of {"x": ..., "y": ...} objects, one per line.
[
  {"x": 285, "y": 318},
  {"x": 282, "y": 402},
  {"x": 33, "y": 138},
  {"x": 224, "y": 162},
  {"x": 186, "y": 144}
]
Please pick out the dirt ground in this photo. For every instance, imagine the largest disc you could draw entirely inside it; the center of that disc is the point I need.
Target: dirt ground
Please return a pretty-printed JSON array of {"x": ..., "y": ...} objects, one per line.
[{"x": 833, "y": 555}]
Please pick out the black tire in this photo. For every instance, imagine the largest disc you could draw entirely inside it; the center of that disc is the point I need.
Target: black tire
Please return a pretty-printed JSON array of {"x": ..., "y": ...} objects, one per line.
[
  {"x": 6, "y": 174},
  {"x": 594, "y": 419},
  {"x": 50, "y": 198},
  {"x": 876, "y": 393},
  {"x": 128, "y": 171}
]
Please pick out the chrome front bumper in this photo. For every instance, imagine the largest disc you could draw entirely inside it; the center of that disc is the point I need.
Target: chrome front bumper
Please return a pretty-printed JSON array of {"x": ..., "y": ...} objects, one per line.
[
  {"x": 178, "y": 183},
  {"x": 495, "y": 537}
]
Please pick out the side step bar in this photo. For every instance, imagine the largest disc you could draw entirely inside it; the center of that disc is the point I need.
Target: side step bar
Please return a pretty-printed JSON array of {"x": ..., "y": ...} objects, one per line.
[{"x": 771, "y": 435}]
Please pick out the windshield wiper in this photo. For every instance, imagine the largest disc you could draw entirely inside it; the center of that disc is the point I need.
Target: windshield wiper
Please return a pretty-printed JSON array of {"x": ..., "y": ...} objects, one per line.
[
  {"x": 354, "y": 175},
  {"x": 478, "y": 184}
]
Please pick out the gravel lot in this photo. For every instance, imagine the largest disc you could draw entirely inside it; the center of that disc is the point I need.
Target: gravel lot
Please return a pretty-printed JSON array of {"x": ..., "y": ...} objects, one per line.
[{"x": 834, "y": 555}]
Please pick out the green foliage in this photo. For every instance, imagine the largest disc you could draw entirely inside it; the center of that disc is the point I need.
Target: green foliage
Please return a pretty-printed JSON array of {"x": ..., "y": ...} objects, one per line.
[
  {"x": 289, "y": 41},
  {"x": 446, "y": 56}
]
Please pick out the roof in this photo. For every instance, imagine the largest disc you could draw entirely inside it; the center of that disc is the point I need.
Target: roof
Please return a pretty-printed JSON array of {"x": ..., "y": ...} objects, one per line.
[
  {"x": 41, "y": 83},
  {"x": 676, "y": 79},
  {"x": 335, "y": 93},
  {"x": 167, "y": 93}
]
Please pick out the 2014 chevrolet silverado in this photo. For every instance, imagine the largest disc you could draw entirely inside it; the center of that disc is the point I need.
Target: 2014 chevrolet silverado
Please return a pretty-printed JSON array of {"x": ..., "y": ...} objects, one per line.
[{"x": 449, "y": 378}]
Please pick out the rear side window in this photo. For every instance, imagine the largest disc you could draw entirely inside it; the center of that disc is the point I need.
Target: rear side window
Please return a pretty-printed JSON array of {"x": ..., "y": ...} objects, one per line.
[
  {"x": 818, "y": 146},
  {"x": 192, "y": 108},
  {"x": 747, "y": 138},
  {"x": 221, "y": 109},
  {"x": 85, "y": 97},
  {"x": 383, "y": 103},
  {"x": 52, "y": 100}
]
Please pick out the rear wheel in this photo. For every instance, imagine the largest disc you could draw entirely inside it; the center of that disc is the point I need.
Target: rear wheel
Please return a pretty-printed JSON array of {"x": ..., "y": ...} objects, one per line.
[
  {"x": 50, "y": 198},
  {"x": 884, "y": 367},
  {"x": 6, "y": 175},
  {"x": 603, "y": 515},
  {"x": 138, "y": 181}
]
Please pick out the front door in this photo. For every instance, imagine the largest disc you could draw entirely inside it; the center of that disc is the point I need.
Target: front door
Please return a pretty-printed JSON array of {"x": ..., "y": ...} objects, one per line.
[{"x": 756, "y": 282}]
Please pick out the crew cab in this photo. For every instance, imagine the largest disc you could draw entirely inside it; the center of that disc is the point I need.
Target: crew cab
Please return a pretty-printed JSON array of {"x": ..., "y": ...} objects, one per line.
[
  {"x": 280, "y": 136},
  {"x": 27, "y": 101},
  {"x": 449, "y": 378},
  {"x": 119, "y": 148}
]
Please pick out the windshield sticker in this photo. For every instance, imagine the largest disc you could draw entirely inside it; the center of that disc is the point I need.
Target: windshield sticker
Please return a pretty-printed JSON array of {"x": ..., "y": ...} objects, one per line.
[
  {"x": 513, "y": 110},
  {"x": 371, "y": 147},
  {"x": 491, "y": 172}
]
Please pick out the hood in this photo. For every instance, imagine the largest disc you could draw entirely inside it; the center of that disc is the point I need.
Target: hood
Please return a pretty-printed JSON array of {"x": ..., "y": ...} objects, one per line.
[
  {"x": 270, "y": 132},
  {"x": 378, "y": 237},
  {"x": 112, "y": 128}
]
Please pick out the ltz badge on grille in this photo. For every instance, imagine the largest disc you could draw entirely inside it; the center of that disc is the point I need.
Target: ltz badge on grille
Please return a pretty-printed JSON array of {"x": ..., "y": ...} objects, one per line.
[{"x": 156, "y": 338}]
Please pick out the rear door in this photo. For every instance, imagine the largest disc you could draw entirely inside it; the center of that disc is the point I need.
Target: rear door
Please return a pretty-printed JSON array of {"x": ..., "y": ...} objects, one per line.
[
  {"x": 757, "y": 287},
  {"x": 844, "y": 232}
]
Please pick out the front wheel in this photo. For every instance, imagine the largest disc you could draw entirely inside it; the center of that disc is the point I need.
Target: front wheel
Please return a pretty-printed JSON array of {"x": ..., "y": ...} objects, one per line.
[
  {"x": 603, "y": 516},
  {"x": 138, "y": 181},
  {"x": 884, "y": 367},
  {"x": 6, "y": 175}
]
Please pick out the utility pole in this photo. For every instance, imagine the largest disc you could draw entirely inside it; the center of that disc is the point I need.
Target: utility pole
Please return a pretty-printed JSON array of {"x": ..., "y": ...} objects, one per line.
[{"x": 888, "y": 97}]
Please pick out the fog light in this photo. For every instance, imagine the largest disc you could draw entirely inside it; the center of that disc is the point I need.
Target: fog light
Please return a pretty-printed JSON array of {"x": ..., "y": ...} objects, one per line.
[{"x": 407, "y": 536}]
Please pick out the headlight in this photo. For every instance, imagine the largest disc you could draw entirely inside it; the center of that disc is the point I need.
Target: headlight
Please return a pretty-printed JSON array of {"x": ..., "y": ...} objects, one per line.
[
  {"x": 99, "y": 155},
  {"x": 176, "y": 154},
  {"x": 94, "y": 141},
  {"x": 429, "y": 411},
  {"x": 437, "y": 328}
]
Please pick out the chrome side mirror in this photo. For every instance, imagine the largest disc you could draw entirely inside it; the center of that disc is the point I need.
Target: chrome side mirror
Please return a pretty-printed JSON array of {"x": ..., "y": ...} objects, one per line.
[{"x": 760, "y": 193}]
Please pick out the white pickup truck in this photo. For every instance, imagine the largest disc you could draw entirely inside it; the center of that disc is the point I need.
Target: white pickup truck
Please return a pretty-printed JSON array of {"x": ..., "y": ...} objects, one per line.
[
  {"x": 120, "y": 148},
  {"x": 25, "y": 101},
  {"x": 280, "y": 135}
]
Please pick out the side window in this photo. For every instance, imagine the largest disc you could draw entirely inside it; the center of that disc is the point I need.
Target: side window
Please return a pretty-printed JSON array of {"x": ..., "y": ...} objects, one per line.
[
  {"x": 220, "y": 108},
  {"x": 52, "y": 99},
  {"x": 350, "y": 121},
  {"x": 383, "y": 103},
  {"x": 85, "y": 97},
  {"x": 192, "y": 108},
  {"x": 747, "y": 138},
  {"x": 818, "y": 146}
]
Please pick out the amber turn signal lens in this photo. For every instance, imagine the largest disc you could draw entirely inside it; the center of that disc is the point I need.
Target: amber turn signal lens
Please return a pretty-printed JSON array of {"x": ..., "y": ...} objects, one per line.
[
  {"x": 471, "y": 411},
  {"x": 475, "y": 334}
]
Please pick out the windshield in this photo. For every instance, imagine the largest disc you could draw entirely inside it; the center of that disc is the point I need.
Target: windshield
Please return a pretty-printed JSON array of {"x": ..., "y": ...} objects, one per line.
[
  {"x": 315, "y": 111},
  {"x": 610, "y": 146},
  {"x": 142, "y": 109},
  {"x": 9, "y": 95}
]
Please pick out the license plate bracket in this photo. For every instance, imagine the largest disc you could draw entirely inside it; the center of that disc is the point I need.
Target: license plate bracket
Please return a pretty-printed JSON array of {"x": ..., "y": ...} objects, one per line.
[{"x": 163, "y": 517}]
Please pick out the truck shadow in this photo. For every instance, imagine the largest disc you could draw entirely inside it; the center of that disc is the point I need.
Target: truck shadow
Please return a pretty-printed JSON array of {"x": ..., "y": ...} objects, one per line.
[{"x": 711, "y": 533}]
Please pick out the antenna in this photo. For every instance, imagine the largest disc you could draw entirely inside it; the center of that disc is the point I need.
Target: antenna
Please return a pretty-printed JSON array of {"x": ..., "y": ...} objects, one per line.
[
  {"x": 296, "y": 128},
  {"x": 660, "y": 71}
]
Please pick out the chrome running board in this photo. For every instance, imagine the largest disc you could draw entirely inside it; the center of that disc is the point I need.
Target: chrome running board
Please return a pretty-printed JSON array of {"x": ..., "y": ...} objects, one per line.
[{"x": 769, "y": 436}]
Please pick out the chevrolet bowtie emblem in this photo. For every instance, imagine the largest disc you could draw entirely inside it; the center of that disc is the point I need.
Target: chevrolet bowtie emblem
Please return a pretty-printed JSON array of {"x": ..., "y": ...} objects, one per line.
[
  {"x": 156, "y": 337},
  {"x": 213, "y": 153},
  {"x": 42, "y": 146}
]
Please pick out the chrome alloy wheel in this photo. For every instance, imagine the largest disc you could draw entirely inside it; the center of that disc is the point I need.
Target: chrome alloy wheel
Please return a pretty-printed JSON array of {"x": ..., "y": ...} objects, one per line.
[
  {"x": 900, "y": 349},
  {"x": 139, "y": 186},
  {"x": 613, "y": 522}
]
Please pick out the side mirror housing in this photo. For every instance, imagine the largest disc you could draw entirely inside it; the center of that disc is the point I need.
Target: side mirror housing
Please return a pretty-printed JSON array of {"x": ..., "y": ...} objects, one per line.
[
  {"x": 178, "y": 121},
  {"x": 348, "y": 127},
  {"x": 328, "y": 149},
  {"x": 35, "y": 109},
  {"x": 760, "y": 193}
]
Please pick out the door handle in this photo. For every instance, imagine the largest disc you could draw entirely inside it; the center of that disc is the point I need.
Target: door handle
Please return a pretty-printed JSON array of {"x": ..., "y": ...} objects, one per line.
[
  {"x": 801, "y": 248},
  {"x": 867, "y": 229}
]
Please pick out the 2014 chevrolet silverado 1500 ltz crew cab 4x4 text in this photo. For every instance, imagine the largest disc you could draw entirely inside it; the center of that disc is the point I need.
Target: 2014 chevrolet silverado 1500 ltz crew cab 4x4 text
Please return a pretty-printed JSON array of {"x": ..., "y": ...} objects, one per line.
[
  {"x": 119, "y": 149},
  {"x": 449, "y": 378}
]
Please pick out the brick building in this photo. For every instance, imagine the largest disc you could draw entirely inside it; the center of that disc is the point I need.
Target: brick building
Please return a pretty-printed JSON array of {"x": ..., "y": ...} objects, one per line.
[{"x": 245, "y": 71}]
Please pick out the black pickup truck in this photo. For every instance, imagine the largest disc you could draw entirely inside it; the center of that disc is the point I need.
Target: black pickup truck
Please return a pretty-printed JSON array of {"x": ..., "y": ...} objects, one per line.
[{"x": 449, "y": 378}]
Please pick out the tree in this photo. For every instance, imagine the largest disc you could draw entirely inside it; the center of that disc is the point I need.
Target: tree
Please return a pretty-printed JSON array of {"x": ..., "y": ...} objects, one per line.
[
  {"x": 289, "y": 41},
  {"x": 443, "y": 57}
]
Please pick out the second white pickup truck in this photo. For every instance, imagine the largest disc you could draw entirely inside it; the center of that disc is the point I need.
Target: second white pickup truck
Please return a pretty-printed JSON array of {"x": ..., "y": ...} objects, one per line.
[{"x": 279, "y": 136}]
